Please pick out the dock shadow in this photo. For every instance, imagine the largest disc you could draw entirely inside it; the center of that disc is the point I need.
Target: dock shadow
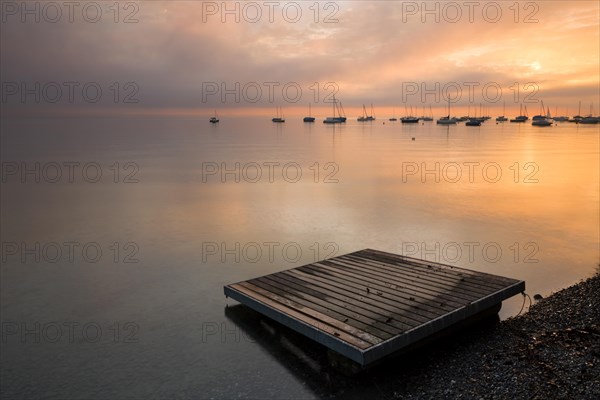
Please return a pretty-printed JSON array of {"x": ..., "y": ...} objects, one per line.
[{"x": 319, "y": 368}]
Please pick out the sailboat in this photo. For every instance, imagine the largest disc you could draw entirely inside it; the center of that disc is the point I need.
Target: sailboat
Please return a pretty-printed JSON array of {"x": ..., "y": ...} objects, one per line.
[
  {"x": 363, "y": 117},
  {"x": 558, "y": 118},
  {"x": 372, "y": 116},
  {"x": 502, "y": 118},
  {"x": 334, "y": 119},
  {"x": 393, "y": 115},
  {"x": 341, "y": 112},
  {"x": 542, "y": 120},
  {"x": 366, "y": 117},
  {"x": 541, "y": 115},
  {"x": 309, "y": 118},
  {"x": 427, "y": 118},
  {"x": 521, "y": 117},
  {"x": 279, "y": 117},
  {"x": 447, "y": 120},
  {"x": 214, "y": 119},
  {"x": 578, "y": 117},
  {"x": 474, "y": 121},
  {"x": 590, "y": 119},
  {"x": 409, "y": 119}
]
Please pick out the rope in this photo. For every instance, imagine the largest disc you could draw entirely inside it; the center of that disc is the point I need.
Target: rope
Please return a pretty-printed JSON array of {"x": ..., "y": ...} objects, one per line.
[{"x": 525, "y": 297}]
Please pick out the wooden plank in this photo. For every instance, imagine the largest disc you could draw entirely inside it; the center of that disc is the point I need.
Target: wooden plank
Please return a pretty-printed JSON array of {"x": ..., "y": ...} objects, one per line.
[
  {"x": 438, "y": 274},
  {"x": 384, "y": 274},
  {"x": 408, "y": 272},
  {"x": 378, "y": 295},
  {"x": 368, "y": 317},
  {"x": 362, "y": 283},
  {"x": 401, "y": 341},
  {"x": 400, "y": 280},
  {"x": 368, "y": 304},
  {"x": 332, "y": 326},
  {"x": 338, "y": 312},
  {"x": 386, "y": 311},
  {"x": 441, "y": 273},
  {"x": 295, "y": 320},
  {"x": 500, "y": 280}
]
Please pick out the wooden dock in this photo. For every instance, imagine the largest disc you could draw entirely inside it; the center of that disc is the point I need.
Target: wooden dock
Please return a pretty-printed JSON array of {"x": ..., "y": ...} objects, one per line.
[{"x": 369, "y": 304}]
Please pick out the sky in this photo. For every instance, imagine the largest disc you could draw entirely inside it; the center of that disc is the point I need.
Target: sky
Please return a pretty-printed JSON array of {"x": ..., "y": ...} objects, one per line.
[{"x": 191, "y": 57}]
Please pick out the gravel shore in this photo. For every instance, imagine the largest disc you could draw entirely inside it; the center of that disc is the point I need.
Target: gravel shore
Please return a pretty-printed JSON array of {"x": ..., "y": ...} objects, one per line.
[{"x": 552, "y": 351}]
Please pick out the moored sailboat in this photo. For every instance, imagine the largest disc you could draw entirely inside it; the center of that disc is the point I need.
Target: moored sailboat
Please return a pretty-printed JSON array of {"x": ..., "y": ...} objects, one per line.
[
  {"x": 279, "y": 118},
  {"x": 309, "y": 118},
  {"x": 542, "y": 120},
  {"x": 409, "y": 119},
  {"x": 214, "y": 119},
  {"x": 447, "y": 120},
  {"x": 521, "y": 117},
  {"x": 502, "y": 118},
  {"x": 335, "y": 120}
]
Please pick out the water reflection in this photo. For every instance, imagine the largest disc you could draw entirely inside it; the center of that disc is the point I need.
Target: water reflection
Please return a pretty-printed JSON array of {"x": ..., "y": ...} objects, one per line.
[
  {"x": 311, "y": 363},
  {"x": 171, "y": 214}
]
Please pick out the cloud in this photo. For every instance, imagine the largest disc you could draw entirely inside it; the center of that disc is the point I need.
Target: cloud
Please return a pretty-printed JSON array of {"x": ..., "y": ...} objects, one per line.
[{"x": 375, "y": 47}]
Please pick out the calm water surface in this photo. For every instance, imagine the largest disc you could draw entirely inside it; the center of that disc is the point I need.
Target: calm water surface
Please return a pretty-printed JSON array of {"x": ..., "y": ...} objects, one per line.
[{"x": 123, "y": 297}]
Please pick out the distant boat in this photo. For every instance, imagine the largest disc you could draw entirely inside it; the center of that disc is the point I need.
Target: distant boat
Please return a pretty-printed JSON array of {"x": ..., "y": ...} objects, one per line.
[
  {"x": 578, "y": 117},
  {"x": 393, "y": 116},
  {"x": 409, "y": 119},
  {"x": 335, "y": 120},
  {"x": 483, "y": 118},
  {"x": 279, "y": 117},
  {"x": 473, "y": 122},
  {"x": 372, "y": 116},
  {"x": 363, "y": 117},
  {"x": 447, "y": 120},
  {"x": 309, "y": 118},
  {"x": 541, "y": 115},
  {"x": 558, "y": 118},
  {"x": 429, "y": 117},
  {"x": 214, "y": 119},
  {"x": 502, "y": 118},
  {"x": 542, "y": 120},
  {"x": 590, "y": 120},
  {"x": 366, "y": 117},
  {"x": 341, "y": 112},
  {"x": 521, "y": 117}
]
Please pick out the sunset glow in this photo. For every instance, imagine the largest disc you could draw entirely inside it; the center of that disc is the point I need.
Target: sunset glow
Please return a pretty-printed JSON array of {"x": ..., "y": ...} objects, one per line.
[{"x": 176, "y": 48}]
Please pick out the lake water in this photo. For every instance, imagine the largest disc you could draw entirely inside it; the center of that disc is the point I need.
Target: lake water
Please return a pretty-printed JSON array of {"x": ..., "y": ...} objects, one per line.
[{"x": 118, "y": 236}]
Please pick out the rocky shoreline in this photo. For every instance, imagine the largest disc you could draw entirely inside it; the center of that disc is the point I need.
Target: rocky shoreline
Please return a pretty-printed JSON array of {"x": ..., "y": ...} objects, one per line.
[{"x": 552, "y": 351}]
